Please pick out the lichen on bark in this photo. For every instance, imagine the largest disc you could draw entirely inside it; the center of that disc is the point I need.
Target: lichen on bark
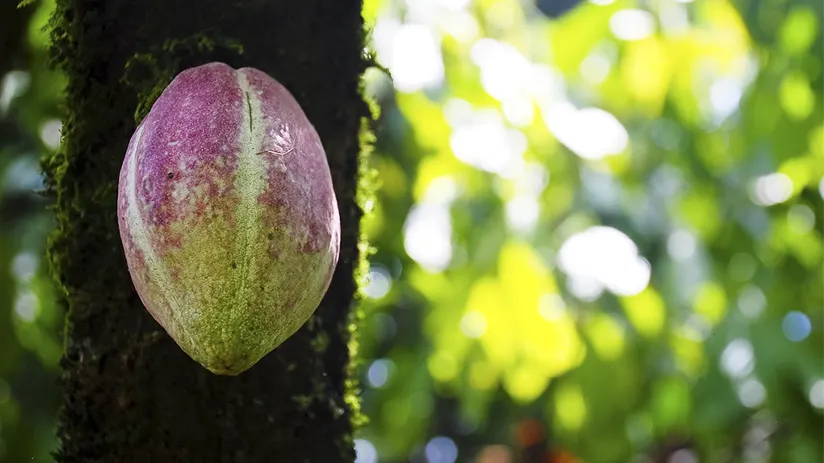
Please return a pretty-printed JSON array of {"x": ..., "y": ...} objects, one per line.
[{"x": 130, "y": 394}]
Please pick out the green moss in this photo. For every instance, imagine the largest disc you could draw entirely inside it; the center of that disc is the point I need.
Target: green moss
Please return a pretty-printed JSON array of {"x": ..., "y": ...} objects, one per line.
[
  {"x": 366, "y": 192},
  {"x": 320, "y": 342},
  {"x": 150, "y": 73},
  {"x": 304, "y": 401}
]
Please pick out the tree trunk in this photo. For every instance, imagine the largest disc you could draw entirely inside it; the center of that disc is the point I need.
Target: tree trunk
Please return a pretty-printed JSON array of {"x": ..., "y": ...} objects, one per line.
[{"x": 129, "y": 393}]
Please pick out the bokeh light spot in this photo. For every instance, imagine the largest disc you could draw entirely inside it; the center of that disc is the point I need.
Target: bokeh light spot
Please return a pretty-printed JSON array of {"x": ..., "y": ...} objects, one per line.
[
  {"x": 441, "y": 450},
  {"x": 772, "y": 189},
  {"x": 26, "y": 306},
  {"x": 416, "y": 60},
  {"x": 800, "y": 219},
  {"x": 14, "y": 84},
  {"x": 725, "y": 94},
  {"x": 50, "y": 133},
  {"x": 595, "y": 68},
  {"x": 817, "y": 394},
  {"x": 751, "y": 393},
  {"x": 378, "y": 373},
  {"x": 23, "y": 266},
  {"x": 365, "y": 451},
  {"x": 738, "y": 359},
  {"x": 681, "y": 245},
  {"x": 380, "y": 282},
  {"x": 632, "y": 24},
  {"x": 486, "y": 143},
  {"x": 428, "y": 236},
  {"x": 751, "y": 301},
  {"x": 473, "y": 324},
  {"x": 683, "y": 456},
  {"x": 522, "y": 213},
  {"x": 494, "y": 454},
  {"x": 574, "y": 128},
  {"x": 796, "y": 326},
  {"x": 607, "y": 256},
  {"x": 570, "y": 406}
]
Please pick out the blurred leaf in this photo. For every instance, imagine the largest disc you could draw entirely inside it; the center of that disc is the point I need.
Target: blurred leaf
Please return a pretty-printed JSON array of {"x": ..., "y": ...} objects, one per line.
[
  {"x": 799, "y": 30},
  {"x": 711, "y": 302},
  {"x": 671, "y": 403},
  {"x": 569, "y": 45},
  {"x": 646, "y": 68},
  {"x": 796, "y": 96},
  {"x": 570, "y": 406},
  {"x": 606, "y": 336},
  {"x": 646, "y": 312}
]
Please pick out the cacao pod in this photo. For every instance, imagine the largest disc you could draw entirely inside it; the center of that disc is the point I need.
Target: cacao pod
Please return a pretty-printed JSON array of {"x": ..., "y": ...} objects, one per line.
[{"x": 227, "y": 215}]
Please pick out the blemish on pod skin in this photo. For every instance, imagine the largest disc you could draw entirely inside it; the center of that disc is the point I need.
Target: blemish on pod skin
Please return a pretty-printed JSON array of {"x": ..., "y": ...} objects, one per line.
[{"x": 227, "y": 215}]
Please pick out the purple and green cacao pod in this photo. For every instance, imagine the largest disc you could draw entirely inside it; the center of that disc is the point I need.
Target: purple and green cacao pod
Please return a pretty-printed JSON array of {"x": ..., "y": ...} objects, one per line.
[{"x": 227, "y": 215}]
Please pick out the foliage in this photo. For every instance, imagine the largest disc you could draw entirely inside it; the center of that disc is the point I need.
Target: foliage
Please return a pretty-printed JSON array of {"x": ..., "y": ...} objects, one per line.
[
  {"x": 598, "y": 236},
  {"x": 607, "y": 222}
]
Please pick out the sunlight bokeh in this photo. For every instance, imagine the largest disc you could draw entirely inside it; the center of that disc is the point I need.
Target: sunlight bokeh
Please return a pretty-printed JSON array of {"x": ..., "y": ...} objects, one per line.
[{"x": 593, "y": 205}]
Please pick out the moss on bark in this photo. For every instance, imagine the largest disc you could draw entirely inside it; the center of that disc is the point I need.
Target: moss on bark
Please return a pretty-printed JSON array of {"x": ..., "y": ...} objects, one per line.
[{"x": 130, "y": 393}]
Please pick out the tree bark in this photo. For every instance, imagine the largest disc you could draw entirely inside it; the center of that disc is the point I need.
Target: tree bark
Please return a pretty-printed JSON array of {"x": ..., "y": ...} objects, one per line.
[{"x": 129, "y": 393}]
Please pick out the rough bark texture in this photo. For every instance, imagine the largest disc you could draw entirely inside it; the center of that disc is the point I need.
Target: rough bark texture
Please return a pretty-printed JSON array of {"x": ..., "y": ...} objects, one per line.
[{"x": 130, "y": 393}]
